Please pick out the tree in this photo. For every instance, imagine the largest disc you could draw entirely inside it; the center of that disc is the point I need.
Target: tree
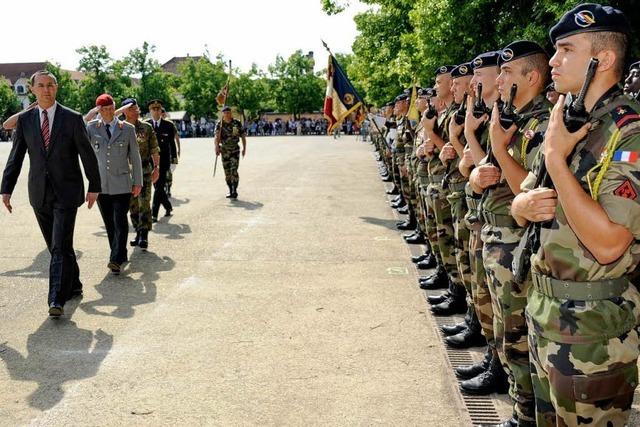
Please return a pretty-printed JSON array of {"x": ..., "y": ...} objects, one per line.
[
  {"x": 9, "y": 103},
  {"x": 248, "y": 92},
  {"x": 68, "y": 90},
  {"x": 200, "y": 82},
  {"x": 297, "y": 89}
]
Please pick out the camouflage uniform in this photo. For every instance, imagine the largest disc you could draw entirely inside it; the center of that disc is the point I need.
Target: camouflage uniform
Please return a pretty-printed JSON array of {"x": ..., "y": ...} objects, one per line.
[
  {"x": 440, "y": 207},
  {"x": 140, "y": 207},
  {"x": 231, "y": 132},
  {"x": 399, "y": 158},
  {"x": 418, "y": 171},
  {"x": 501, "y": 235},
  {"x": 583, "y": 336}
]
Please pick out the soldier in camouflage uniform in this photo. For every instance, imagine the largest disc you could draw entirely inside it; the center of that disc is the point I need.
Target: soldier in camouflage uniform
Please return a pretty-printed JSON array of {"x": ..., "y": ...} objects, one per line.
[
  {"x": 400, "y": 109},
  {"x": 229, "y": 131},
  {"x": 455, "y": 301},
  {"x": 140, "y": 207},
  {"x": 582, "y": 311},
  {"x": 476, "y": 132},
  {"x": 524, "y": 64}
]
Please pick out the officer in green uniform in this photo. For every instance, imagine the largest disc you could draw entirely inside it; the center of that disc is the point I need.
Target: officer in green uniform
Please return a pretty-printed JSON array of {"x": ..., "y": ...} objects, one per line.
[
  {"x": 525, "y": 65},
  {"x": 582, "y": 312},
  {"x": 229, "y": 131},
  {"x": 140, "y": 207}
]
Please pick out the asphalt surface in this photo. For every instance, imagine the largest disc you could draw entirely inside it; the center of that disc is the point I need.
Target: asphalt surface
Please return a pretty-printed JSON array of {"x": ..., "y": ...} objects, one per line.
[{"x": 295, "y": 305}]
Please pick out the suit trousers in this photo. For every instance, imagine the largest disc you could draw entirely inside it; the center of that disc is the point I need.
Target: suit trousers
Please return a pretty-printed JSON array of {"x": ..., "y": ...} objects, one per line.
[
  {"x": 160, "y": 196},
  {"x": 114, "y": 209},
  {"x": 57, "y": 225}
]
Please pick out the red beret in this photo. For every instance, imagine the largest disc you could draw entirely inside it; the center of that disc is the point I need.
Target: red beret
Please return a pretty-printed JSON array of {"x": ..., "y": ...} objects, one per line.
[{"x": 104, "y": 100}]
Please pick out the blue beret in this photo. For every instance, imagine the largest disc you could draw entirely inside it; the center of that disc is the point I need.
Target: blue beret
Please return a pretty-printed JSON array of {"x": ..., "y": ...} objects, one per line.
[
  {"x": 462, "y": 70},
  {"x": 444, "y": 69},
  {"x": 589, "y": 17},
  {"x": 128, "y": 101},
  {"x": 487, "y": 59},
  {"x": 519, "y": 49}
]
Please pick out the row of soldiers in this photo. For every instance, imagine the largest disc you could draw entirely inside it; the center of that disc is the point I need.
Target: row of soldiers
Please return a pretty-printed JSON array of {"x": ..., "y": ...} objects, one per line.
[{"x": 530, "y": 214}]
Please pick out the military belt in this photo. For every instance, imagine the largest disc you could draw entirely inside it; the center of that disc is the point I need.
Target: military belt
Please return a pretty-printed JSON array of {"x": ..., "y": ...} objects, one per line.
[
  {"x": 472, "y": 203},
  {"x": 435, "y": 179},
  {"x": 457, "y": 186},
  {"x": 497, "y": 220},
  {"x": 579, "y": 291}
]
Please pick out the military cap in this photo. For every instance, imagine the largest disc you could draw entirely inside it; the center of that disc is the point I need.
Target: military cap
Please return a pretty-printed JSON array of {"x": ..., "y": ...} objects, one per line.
[
  {"x": 154, "y": 103},
  {"x": 589, "y": 17},
  {"x": 406, "y": 94},
  {"x": 462, "y": 70},
  {"x": 487, "y": 59},
  {"x": 444, "y": 69},
  {"x": 226, "y": 108},
  {"x": 426, "y": 92},
  {"x": 128, "y": 101},
  {"x": 634, "y": 65},
  {"x": 519, "y": 49},
  {"x": 104, "y": 100}
]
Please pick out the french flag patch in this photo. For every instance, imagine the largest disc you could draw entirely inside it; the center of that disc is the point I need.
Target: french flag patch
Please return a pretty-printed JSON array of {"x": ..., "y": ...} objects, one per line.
[{"x": 625, "y": 156}]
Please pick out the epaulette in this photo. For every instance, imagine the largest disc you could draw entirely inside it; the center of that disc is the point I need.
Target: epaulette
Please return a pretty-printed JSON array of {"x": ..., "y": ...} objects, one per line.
[{"x": 623, "y": 115}]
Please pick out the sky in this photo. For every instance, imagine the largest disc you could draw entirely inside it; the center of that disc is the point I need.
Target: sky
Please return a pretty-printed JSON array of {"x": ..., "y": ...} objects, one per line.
[{"x": 245, "y": 31}]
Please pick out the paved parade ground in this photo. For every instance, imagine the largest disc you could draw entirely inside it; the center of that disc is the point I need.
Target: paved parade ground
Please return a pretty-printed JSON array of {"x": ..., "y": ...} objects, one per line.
[{"x": 295, "y": 305}]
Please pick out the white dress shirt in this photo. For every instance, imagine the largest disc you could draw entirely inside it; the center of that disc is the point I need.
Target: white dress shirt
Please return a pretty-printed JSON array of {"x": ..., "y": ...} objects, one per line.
[{"x": 51, "y": 112}]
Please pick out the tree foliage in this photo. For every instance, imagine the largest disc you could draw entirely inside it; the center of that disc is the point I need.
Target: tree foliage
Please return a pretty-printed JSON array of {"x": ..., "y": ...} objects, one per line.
[{"x": 8, "y": 100}]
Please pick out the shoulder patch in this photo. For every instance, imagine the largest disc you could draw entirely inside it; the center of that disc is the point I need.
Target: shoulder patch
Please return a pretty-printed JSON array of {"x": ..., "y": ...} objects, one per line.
[
  {"x": 626, "y": 190},
  {"x": 623, "y": 115}
]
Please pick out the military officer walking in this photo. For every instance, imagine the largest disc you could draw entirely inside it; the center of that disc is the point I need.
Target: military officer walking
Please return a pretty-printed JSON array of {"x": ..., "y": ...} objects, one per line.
[
  {"x": 165, "y": 134},
  {"x": 229, "y": 131}
]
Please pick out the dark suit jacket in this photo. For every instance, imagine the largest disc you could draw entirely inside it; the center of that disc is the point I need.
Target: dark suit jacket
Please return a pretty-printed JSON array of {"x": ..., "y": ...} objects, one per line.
[
  {"x": 166, "y": 135},
  {"x": 59, "y": 164}
]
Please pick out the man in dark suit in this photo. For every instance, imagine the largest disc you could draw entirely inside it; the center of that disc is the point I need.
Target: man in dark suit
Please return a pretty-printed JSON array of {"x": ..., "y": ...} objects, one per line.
[{"x": 54, "y": 136}]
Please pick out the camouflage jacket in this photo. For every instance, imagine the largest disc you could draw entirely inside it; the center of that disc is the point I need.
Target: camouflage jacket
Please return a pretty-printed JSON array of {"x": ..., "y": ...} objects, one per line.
[
  {"x": 533, "y": 120},
  {"x": 435, "y": 165},
  {"x": 147, "y": 142},
  {"x": 230, "y": 132},
  {"x": 563, "y": 256}
]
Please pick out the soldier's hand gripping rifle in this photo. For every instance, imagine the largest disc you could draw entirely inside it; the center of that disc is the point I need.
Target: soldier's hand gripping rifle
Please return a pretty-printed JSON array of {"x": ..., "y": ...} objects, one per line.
[
  {"x": 575, "y": 116},
  {"x": 458, "y": 118},
  {"x": 479, "y": 107}
]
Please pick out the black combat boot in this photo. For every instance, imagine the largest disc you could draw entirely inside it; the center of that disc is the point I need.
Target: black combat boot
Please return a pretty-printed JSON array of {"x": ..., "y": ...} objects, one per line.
[
  {"x": 438, "y": 280},
  {"x": 144, "y": 240},
  {"x": 470, "y": 337},
  {"x": 416, "y": 259},
  {"x": 428, "y": 263},
  {"x": 493, "y": 380},
  {"x": 454, "y": 304},
  {"x": 230, "y": 195},
  {"x": 472, "y": 371},
  {"x": 404, "y": 210},
  {"x": 394, "y": 191},
  {"x": 449, "y": 330},
  {"x": 417, "y": 239},
  {"x": 410, "y": 224},
  {"x": 512, "y": 422},
  {"x": 234, "y": 194},
  {"x": 135, "y": 241},
  {"x": 437, "y": 299}
]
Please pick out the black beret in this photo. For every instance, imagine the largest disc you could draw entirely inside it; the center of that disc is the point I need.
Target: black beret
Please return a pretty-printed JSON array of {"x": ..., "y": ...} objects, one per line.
[
  {"x": 444, "y": 69},
  {"x": 128, "y": 101},
  {"x": 226, "y": 108},
  {"x": 427, "y": 92},
  {"x": 487, "y": 59},
  {"x": 589, "y": 17},
  {"x": 154, "y": 103},
  {"x": 406, "y": 94},
  {"x": 519, "y": 49},
  {"x": 462, "y": 70},
  {"x": 634, "y": 65}
]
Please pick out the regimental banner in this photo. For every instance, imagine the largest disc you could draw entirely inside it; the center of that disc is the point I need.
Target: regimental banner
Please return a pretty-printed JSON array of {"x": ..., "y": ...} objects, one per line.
[{"x": 341, "y": 98}]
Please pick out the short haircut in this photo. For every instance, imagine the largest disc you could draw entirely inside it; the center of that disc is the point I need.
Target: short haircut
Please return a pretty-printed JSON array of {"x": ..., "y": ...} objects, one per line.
[
  {"x": 538, "y": 62},
  {"x": 42, "y": 73},
  {"x": 608, "y": 40}
]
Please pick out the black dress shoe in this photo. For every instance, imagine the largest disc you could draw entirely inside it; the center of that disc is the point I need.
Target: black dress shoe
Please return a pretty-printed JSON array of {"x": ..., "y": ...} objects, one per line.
[
  {"x": 437, "y": 299},
  {"x": 428, "y": 263},
  {"x": 169, "y": 212},
  {"x": 455, "y": 304},
  {"x": 416, "y": 259},
  {"x": 449, "y": 330},
  {"x": 439, "y": 280},
  {"x": 472, "y": 371},
  {"x": 75, "y": 293},
  {"x": 404, "y": 210},
  {"x": 114, "y": 267},
  {"x": 493, "y": 380},
  {"x": 55, "y": 310},
  {"x": 469, "y": 337},
  {"x": 144, "y": 240},
  {"x": 417, "y": 239}
]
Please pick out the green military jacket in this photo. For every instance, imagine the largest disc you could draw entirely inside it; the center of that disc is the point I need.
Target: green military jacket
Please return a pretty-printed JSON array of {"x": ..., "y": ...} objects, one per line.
[
  {"x": 435, "y": 166},
  {"x": 607, "y": 167},
  {"x": 230, "y": 132},
  {"x": 148, "y": 144}
]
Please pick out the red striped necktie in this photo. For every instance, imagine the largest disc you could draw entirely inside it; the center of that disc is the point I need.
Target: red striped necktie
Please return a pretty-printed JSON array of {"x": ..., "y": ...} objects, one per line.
[{"x": 45, "y": 129}]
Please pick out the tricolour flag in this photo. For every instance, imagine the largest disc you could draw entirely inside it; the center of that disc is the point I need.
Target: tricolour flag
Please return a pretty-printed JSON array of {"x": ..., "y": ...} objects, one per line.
[
  {"x": 341, "y": 98},
  {"x": 625, "y": 156}
]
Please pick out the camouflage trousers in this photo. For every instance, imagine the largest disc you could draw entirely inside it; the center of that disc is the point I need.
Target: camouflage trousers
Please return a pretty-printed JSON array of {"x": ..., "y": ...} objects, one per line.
[
  {"x": 461, "y": 241},
  {"x": 479, "y": 287},
  {"x": 431, "y": 230},
  {"x": 588, "y": 384},
  {"x": 230, "y": 162},
  {"x": 419, "y": 205},
  {"x": 140, "y": 207},
  {"x": 508, "y": 301},
  {"x": 395, "y": 167},
  {"x": 444, "y": 227}
]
